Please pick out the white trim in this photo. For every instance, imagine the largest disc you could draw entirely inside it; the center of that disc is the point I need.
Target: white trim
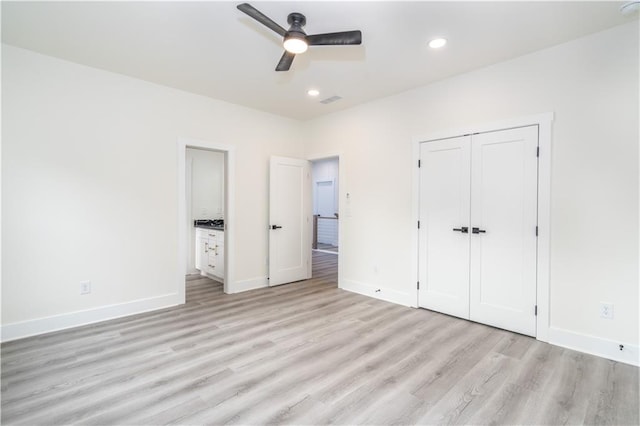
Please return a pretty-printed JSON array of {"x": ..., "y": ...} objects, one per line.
[
  {"x": 543, "y": 121},
  {"x": 38, "y": 326},
  {"x": 544, "y": 228},
  {"x": 415, "y": 215},
  {"x": 229, "y": 214},
  {"x": 377, "y": 292},
  {"x": 595, "y": 346},
  {"x": 250, "y": 284},
  {"x": 493, "y": 126},
  {"x": 342, "y": 189}
]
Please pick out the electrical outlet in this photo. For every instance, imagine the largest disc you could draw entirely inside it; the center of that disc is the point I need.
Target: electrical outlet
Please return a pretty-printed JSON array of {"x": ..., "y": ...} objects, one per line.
[
  {"x": 85, "y": 287},
  {"x": 606, "y": 310}
]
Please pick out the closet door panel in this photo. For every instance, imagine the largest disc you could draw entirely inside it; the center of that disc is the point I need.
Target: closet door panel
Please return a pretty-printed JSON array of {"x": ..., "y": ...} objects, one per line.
[
  {"x": 504, "y": 170},
  {"x": 444, "y": 205}
]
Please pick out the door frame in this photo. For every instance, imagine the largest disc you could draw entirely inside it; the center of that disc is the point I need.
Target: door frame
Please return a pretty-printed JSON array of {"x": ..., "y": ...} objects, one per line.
[
  {"x": 229, "y": 211},
  {"x": 544, "y": 122},
  {"x": 341, "y": 205}
]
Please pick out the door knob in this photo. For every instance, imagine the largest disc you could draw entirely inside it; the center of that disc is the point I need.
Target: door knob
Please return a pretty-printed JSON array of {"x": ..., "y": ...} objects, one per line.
[
  {"x": 464, "y": 230},
  {"x": 275, "y": 227},
  {"x": 478, "y": 231}
]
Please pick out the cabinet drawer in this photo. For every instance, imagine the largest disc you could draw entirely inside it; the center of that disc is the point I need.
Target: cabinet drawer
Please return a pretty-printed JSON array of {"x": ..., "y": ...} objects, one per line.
[{"x": 214, "y": 234}]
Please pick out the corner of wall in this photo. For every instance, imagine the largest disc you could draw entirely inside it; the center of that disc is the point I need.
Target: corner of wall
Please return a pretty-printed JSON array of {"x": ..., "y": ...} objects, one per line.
[
  {"x": 249, "y": 284},
  {"x": 378, "y": 292}
]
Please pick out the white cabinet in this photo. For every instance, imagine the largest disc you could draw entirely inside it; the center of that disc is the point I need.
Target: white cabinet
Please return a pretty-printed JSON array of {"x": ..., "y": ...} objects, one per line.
[
  {"x": 215, "y": 253},
  {"x": 478, "y": 204},
  {"x": 210, "y": 252},
  {"x": 201, "y": 240}
]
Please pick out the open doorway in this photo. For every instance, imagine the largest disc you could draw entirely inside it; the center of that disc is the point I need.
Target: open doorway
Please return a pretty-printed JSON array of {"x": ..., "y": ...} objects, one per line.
[
  {"x": 326, "y": 223},
  {"x": 218, "y": 208},
  {"x": 324, "y": 177},
  {"x": 205, "y": 193}
]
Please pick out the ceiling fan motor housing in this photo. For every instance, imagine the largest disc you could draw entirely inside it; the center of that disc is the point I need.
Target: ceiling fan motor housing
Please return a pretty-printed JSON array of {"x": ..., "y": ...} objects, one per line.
[{"x": 297, "y": 21}]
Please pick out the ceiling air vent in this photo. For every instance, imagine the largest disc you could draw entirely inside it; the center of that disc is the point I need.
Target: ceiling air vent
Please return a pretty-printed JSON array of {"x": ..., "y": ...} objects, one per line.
[{"x": 331, "y": 100}]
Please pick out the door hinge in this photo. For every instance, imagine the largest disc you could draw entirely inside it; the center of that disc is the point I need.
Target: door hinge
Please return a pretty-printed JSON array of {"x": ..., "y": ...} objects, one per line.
[
  {"x": 536, "y": 230},
  {"x": 419, "y": 163},
  {"x": 418, "y": 224},
  {"x": 535, "y": 310},
  {"x": 418, "y": 285},
  {"x": 537, "y": 151}
]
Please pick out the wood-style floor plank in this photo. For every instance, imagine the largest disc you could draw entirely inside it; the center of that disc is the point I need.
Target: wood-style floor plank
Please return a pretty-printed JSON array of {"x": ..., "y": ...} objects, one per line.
[{"x": 305, "y": 353}]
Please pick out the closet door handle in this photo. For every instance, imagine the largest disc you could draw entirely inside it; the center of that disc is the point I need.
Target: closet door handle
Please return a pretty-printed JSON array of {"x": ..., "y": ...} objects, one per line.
[
  {"x": 478, "y": 231},
  {"x": 464, "y": 230}
]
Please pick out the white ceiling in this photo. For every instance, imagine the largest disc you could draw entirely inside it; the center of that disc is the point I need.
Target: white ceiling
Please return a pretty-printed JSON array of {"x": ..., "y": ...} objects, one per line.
[{"x": 213, "y": 49}]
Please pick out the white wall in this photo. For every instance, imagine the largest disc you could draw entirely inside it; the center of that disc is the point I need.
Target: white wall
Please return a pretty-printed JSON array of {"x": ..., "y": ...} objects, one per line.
[
  {"x": 591, "y": 84},
  {"x": 205, "y": 192},
  {"x": 89, "y": 188},
  {"x": 207, "y": 183}
]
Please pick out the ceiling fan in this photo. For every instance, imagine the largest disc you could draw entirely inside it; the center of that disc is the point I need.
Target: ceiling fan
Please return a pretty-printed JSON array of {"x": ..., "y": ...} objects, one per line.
[{"x": 295, "y": 39}]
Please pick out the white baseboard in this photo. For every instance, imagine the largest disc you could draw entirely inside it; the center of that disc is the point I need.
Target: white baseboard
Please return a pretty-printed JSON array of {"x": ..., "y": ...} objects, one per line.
[
  {"x": 598, "y": 346},
  {"x": 250, "y": 284},
  {"x": 212, "y": 277},
  {"x": 19, "y": 330},
  {"x": 381, "y": 293},
  {"x": 630, "y": 354}
]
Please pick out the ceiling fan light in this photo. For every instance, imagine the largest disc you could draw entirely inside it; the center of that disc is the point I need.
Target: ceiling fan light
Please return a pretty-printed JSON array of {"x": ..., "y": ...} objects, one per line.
[{"x": 295, "y": 44}]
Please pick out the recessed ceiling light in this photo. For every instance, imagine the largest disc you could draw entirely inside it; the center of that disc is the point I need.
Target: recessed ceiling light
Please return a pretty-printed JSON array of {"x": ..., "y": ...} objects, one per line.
[
  {"x": 313, "y": 92},
  {"x": 630, "y": 7},
  {"x": 437, "y": 43}
]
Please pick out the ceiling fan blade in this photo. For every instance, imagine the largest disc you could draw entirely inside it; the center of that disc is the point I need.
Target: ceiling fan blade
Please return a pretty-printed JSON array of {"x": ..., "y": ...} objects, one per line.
[
  {"x": 285, "y": 61},
  {"x": 341, "y": 38},
  {"x": 262, "y": 18}
]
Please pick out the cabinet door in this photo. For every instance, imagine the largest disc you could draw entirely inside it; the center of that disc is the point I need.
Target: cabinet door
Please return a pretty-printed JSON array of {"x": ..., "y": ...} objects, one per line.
[
  {"x": 211, "y": 261},
  {"x": 220, "y": 257},
  {"x": 200, "y": 250},
  {"x": 444, "y": 206},
  {"x": 211, "y": 252},
  {"x": 504, "y": 175}
]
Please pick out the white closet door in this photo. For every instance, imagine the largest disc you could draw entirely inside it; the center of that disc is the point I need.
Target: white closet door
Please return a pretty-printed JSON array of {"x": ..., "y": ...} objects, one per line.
[
  {"x": 504, "y": 174},
  {"x": 444, "y": 205}
]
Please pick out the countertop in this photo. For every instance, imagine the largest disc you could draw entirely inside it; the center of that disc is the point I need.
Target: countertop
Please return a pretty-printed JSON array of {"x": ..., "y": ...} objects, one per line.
[{"x": 215, "y": 228}]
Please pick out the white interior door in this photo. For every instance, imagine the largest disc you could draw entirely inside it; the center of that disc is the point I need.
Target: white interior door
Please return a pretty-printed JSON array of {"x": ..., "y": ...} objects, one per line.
[
  {"x": 290, "y": 220},
  {"x": 504, "y": 175},
  {"x": 444, "y": 208}
]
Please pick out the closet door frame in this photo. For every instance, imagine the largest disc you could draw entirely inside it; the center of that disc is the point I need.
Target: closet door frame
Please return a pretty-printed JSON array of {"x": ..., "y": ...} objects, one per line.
[{"x": 544, "y": 122}]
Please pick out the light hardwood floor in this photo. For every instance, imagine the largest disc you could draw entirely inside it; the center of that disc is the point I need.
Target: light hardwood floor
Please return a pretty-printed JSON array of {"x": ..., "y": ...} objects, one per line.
[{"x": 305, "y": 353}]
